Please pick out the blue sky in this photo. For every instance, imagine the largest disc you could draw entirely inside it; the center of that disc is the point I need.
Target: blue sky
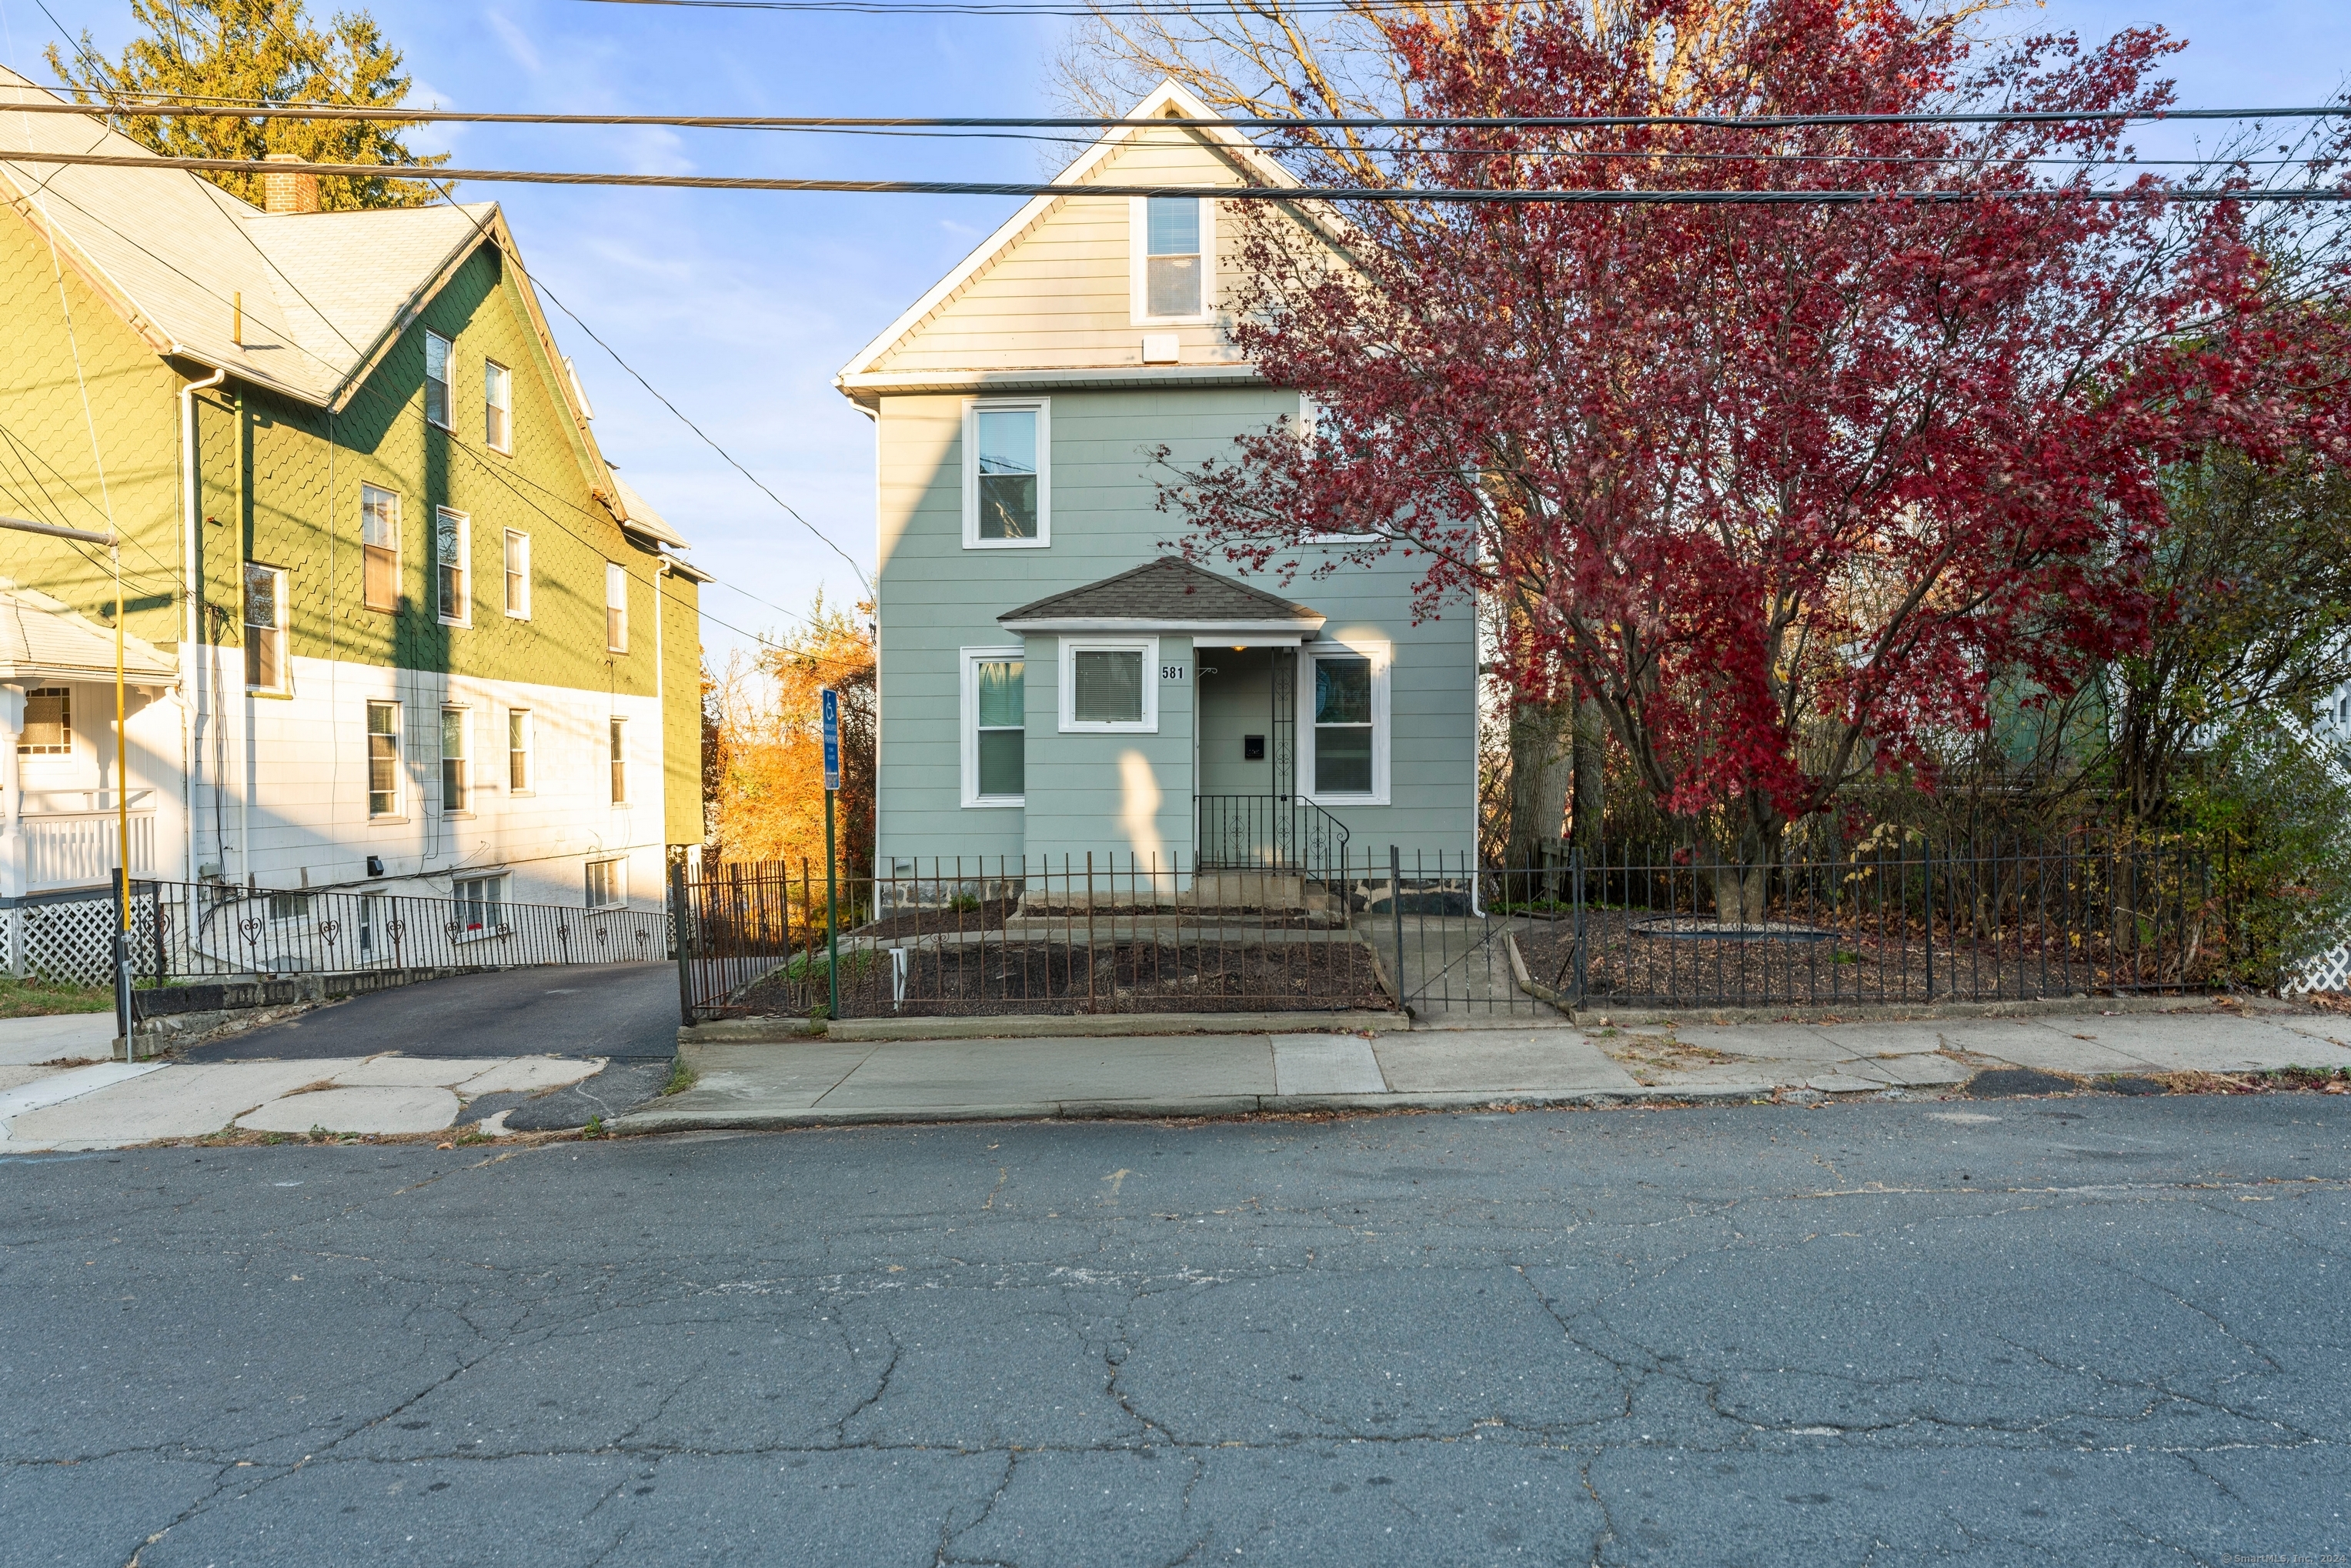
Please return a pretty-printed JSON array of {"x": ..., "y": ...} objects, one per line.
[{"x": 740, "y": 307}]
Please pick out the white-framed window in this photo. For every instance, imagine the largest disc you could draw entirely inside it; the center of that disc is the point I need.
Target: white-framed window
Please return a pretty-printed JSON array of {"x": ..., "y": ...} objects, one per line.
[
  {"x": 1343, "y": 697},
  {"x": 1111, "y": 683},
  {"x": 519, "y": 771},
  {"x": 616, "y": 607},
  {"x": 607, "y": 884},
  {"x": 383, "y": 760},
  {"x": 436, "y": 380},
  {"x": 378, "y": 548},
  {"x": 618, "y": 729},
  {"x": 1173, "y": 242},
  {"x": 517, "y": 575},
  {"x": 265, "y": 628},
  {"x": 1006, "y": 474},
  {"x": 453, "y": 566},
  {"x": 456, "y": 761},
  {"x": 995, "y": 735},
  {"x": 481, "y": 904},
  {"x": 48, "y": 723},
  {"x": 498, "y": 406}
]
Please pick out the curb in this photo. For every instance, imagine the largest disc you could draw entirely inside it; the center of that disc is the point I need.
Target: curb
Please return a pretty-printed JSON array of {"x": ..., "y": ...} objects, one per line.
[
  {"x": 2078, "y": 1006},
  {"x": 645, "y": 1124},
  {"x": 1033, "y": 1025}
]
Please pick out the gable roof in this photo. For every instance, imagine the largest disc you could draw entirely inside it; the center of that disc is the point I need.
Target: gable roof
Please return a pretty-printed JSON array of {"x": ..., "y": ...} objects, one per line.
[
  {"x": 1168, "y": 593},
  {"x": 1169, "y": 99},
  {"x": 43, "y": 639},
  {"x": 323, "y": 295}
]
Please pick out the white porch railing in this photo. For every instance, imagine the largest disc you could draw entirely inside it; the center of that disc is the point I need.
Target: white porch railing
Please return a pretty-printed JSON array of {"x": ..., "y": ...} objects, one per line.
[{"x": 76, "y": 849}]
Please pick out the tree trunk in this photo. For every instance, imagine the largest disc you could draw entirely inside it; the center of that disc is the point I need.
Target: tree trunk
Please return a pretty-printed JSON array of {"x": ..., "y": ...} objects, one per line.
[
  {"x": 1744, "y": 853},
  {"x": 1540, "y": 750},
  {"x": 1590, "y": 763}
]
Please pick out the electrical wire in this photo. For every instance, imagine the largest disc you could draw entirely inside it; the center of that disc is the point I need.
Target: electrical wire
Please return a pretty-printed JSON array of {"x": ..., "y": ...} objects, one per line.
[
  {"x": 1472, "y": 195},
  {"x": 218, "y": 105}
]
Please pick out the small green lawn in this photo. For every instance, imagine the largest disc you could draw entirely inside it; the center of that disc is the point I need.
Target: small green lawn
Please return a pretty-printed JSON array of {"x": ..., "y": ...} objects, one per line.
[{"x": 36, "y": 998}]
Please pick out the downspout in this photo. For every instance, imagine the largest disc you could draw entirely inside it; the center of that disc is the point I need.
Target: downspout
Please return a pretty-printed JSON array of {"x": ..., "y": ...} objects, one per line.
[{"x": 192, "y": 684}]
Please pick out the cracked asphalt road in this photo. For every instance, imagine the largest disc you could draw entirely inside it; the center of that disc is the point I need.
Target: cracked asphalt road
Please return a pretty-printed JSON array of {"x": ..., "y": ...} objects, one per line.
[{"x": 2078, "y": 1332}]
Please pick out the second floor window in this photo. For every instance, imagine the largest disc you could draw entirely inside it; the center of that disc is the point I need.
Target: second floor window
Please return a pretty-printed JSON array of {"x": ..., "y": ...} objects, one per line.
[
  {"x": 265, "y": 628},
  {"x": 436, "y": 379},
  {"x": 383, "y": 760},
  {"x": 1171, "y": 265},
  {"x": 616, "y": 607},
  {"x": 1005, "y": 483},
  {"x": 451, "y": 546},
  {"x": 517, "y": 575},
  {"x": 379, "y": 549},
  {"x": 620, "y": 750},
  {"x": 457, "y": 776},
  {"x": 498, "y": 406}
]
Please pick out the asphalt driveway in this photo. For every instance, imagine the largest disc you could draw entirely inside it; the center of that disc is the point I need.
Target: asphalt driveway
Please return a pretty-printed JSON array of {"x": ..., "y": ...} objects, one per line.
[{"x": 626, "y": 1011}]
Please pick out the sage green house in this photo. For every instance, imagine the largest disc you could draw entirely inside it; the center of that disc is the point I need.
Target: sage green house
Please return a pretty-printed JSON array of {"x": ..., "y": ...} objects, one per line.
[
  {"x": 394, "y": 623},
  {"x": 1054, "y": 679}
]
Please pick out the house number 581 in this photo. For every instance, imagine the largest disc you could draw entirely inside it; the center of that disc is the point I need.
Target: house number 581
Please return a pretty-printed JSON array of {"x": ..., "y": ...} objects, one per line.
[{"x": 1171, "y": 672}]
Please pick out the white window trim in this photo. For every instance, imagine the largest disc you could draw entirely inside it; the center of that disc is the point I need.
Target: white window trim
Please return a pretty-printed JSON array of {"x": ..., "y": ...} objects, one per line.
[
  {"x": 529, "y": 785},
  {"x": 625, "y": 764},
  {"x": 968, "y": 710},
  {"x": 513, "y": 537},
  {"x": 465, "y": 616},
  {"x": 464, "y": 759},
  {"x": 283, "y": 627},
  {"x": 399, "y": 812},
  {"x": 621, "y": 876},
  {"x": 1382, "y": 656},
  {"x": 971, "y": 412},
  {"x": 1072, "y": 646},
  {"x": 1138, "y": 251},
  {"x": 448, "y": 382},
  {"x": 506, "y": 446}
]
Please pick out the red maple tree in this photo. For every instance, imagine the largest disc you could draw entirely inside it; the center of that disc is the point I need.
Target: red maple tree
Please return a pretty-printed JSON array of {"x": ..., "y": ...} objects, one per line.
[{"x": 1782, "y": 487}]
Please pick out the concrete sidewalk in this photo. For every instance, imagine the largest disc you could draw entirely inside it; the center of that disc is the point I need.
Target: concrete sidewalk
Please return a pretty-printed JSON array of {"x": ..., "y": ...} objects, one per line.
[{"x": 816, "y": 1081}]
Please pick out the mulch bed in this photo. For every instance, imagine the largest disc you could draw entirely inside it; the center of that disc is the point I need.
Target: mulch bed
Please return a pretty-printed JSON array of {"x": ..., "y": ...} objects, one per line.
[
  {"x": 1855, "y": 965},
  {"x": 1057, "y": 977}
]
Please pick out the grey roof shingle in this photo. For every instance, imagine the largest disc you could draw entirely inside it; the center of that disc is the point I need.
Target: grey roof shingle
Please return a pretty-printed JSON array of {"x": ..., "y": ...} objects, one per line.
[
  {"x": 43, "y": 639},
  {"x": 1168, "y": 589}
]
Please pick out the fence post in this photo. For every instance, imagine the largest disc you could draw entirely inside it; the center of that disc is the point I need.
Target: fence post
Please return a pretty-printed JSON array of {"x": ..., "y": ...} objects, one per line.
[
  {"x": 155, "y": 911},
  {"x": 1927, "y": 858},
  {"x": 1396, "y": 909},
  {"x": 682, "y": 925},
  {"x": 1575, "y": 882}
]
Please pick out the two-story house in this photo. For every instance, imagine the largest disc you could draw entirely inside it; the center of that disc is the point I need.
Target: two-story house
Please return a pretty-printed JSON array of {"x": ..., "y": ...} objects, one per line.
[
  {"x": 394, "y": 622},
  {"x": 1054, "y": 680}
]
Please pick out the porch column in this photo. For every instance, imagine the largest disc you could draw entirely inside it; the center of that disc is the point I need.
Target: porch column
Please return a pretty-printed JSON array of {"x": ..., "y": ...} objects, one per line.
[{"x": 12, "y": 795}]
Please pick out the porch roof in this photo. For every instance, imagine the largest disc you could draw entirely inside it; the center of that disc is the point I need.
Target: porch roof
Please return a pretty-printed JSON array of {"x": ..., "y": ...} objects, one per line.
[
  {"x": 44, "y": 640},
  {"x": 1167, "y": 594}
]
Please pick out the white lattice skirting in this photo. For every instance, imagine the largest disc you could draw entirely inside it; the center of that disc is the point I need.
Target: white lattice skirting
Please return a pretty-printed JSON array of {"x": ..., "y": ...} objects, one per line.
[
  {"x": 66, "y": 944},
  {"x": 2327, "y": 972}
]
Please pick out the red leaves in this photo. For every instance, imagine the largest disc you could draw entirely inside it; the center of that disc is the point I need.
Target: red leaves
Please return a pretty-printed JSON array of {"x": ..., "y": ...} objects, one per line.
[{"x": 1780, "y": 486}]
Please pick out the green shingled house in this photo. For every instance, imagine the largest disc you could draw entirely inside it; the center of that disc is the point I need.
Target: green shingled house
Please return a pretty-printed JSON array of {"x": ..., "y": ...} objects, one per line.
[
  {"x": 1053, "y": 679},
  {"x": 394, "y": 621}
]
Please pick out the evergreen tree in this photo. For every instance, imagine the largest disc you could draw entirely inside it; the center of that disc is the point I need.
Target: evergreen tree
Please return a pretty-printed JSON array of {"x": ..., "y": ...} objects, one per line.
[{"x": 258, "y": 51}]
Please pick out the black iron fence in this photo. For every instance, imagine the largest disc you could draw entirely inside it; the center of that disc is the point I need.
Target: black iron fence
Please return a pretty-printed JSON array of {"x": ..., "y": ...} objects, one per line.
[
  {"x": 989, "y": 934},
  {"x": 195, "y": 931},
  {"x": 1440, "y": 934},
  {"x": 1274, "y": 832}
]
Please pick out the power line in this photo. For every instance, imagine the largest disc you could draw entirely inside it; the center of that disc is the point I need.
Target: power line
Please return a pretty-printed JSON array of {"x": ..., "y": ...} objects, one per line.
[
  {"x": 211, "y": 105},
  {"x": 1506, "y": 196},
  {"x": 793, "y": 511}
]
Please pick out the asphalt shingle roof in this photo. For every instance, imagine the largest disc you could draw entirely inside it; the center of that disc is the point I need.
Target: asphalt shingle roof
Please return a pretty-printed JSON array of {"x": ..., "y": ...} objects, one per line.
[
  {"x": 1167, "y": 590},
  {"x": 43, "y": 639}
]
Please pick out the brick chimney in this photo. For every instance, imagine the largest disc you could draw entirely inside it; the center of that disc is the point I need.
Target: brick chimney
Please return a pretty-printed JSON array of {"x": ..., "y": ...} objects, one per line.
[{"x": 289, "y": 191}]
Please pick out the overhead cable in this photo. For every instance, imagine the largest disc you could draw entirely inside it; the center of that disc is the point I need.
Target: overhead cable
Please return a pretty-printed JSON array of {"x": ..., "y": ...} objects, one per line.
[{"x": 1479, "y": 196}]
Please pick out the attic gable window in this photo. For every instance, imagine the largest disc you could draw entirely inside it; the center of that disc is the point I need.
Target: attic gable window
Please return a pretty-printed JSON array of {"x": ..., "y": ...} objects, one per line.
[
  {"x": 1174, "y": 240},
  {"x": 436, "y": 380}
]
